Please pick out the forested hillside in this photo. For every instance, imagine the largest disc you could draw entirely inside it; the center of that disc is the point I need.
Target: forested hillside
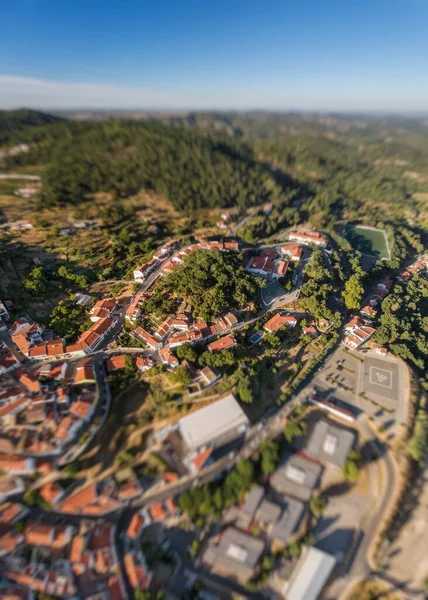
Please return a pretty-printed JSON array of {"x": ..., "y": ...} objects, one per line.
[
  {"x": 323, "y": 168},
  {"x": 190, "y": 169},
  {"x": 12, "y": 122}
]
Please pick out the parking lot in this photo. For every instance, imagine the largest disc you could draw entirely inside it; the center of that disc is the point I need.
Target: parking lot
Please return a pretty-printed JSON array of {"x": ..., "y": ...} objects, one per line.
[
  {"x": 380, "y": 378},
  {"x": 366, "y": 383}
]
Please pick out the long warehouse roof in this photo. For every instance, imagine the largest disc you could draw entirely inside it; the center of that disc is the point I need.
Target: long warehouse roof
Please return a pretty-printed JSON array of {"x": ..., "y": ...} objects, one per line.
[{"x": 217, "y": 419}]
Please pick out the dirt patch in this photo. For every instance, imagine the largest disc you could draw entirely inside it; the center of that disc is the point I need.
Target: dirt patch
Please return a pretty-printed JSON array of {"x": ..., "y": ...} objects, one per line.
[
  {"x": 411, "y": 542},
  {"x": 373, "y": 589}
]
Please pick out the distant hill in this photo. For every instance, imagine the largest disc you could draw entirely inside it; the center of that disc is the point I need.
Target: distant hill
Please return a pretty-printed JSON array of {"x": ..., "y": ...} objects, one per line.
[
  {"x": 260, "y": 125},
  {"x": 13, "y": 122},
  {"x": 191, "y": 168}
]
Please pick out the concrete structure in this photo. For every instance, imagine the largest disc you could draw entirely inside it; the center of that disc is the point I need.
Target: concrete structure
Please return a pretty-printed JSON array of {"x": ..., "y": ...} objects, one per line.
[
  {"x": 292, "y": 251},
  {"x": 236, "y": 555},
  {"x": 280, "y": 320},
  {"x": 306, "y": 236},
  {"x": 142, "y": 272},
  {"x": 297, "y": 477},
  {"x": 330, "y": 443},
  {"x": 310, "y": 575},
  {"x": 278, "y": 518},
  {"x": 222, "y": 420},
  {"x": 288, "y": 523},
  {"x": 252, "y": 502},
  {"x": 260, "y": 265}
]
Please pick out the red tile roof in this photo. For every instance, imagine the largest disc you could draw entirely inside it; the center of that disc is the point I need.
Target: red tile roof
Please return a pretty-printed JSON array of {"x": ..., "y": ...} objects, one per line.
[
  {"x": 281, "y": 267},
  {"x": 21, "y": 341},
  {"x": 80, "y": 409},
  {"x": 30, "y": 382},
  {"x": 200, "y": 459},
  {"x": 9, "y": 540},
  {"x": 50, "y": 492},
  {"x": 146, "y": 337},
  {"x": 39, "y": 534},
  {"x": 55, "y": 346},
  {"x": 261, "y": 263},
  {"x": 13, "y": 406},
  {"x": 137, "y": 575},
  {"x": 76, "y": 347},
  {"x": 171, "y": 505},
  {"x": 223, "y": 343},
  {"x": 293, "y": 250},
  {"x": 158, "y": 512},
  {"x": 101, "y": 326},
  {"x": 85, "y": 373},
  {"x": 89, "y": 339},
  {"x": 9, "y": 511},
  {"x": 106, "y": 303},
  {"x": 278, "y": 321},
  {"x": 63, "y": 429},
  {"x": 115, "y": 363},
  {"x": 310, "y": 236},
  {"x": 135, "y": 526},
  {"x": 168, "y": 357},
  {"x": 144, "y": 362},
  {"x": 78, "y": 501}
]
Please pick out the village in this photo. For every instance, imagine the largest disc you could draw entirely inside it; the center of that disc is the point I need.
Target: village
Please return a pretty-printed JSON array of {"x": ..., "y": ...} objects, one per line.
[{"x": 231, "y": 493}]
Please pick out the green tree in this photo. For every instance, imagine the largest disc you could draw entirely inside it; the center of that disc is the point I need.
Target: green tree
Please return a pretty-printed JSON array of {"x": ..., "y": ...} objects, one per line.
[
  {"x": 318, "y": 504},
  {"x": 269, "y": 453},
  {"x": 180, "y": 375},
  {"x": 418, "y": 443},
  {"x": 35, "y": 282},
  {"x": 272, "y": 340},
  {"x": 245, "y": 391},
  {"x": 353, "y": 292},
  {"x": 294, "y": 429},
  {"x": 350, "y": 470},
  {"x": 187, "y": 352}
]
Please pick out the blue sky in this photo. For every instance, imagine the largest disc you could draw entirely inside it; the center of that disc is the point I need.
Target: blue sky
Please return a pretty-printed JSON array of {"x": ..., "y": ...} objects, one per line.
[{"x": 172, "y": 54}]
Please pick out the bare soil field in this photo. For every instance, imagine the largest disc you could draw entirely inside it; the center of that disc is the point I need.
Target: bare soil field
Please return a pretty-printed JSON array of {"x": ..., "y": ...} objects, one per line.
[{"x": 406, "y": 558}]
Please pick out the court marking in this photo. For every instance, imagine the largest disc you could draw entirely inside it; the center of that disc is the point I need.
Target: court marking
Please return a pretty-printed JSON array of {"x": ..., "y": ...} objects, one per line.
[{"x": 380, "y": 377}]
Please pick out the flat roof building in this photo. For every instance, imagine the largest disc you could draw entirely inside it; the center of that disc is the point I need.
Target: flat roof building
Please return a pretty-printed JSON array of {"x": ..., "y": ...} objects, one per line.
[
  {"x": 310, "y": 575},
  {"x": 279, "y": 518},
  {"x": 297, "y": 476},
  {"x": 330, "y": 443},
  {"x": 236, "y": 555},
  {"x": 223, "y": 420}
]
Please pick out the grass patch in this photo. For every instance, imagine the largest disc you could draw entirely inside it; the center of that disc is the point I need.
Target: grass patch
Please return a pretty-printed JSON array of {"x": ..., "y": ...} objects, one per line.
[{"x": 368, "y": 241}]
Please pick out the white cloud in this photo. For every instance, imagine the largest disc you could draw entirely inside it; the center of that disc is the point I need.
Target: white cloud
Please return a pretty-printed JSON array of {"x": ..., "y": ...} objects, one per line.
[{"x": 37, "y": 93}]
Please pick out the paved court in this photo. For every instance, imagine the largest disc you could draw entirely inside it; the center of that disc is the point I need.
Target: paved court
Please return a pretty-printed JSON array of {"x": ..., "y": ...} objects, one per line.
[
  {"x": 366, "y": 383},
  {"x": 380, "y": 378}
]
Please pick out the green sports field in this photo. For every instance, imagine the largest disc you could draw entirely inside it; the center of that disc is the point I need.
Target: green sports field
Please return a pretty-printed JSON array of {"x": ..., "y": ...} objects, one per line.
[{"x": 368, "y": 241}]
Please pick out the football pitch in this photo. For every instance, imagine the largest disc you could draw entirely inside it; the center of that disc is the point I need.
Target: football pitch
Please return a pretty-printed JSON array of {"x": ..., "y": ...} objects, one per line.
[{"x": 368, "y": 240}]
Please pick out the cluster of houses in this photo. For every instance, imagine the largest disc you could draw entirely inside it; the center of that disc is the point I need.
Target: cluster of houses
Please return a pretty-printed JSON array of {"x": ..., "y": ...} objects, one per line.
[
  {"x": 175, "y": 259},
  {"x": 308, "y": 237},
  {"x": 99, "y": 498},
  {"x": 79, "y": 559},
  {"x": 177, "y": 330},
  {"x": 15, "y": 150},
  {"x": 28, "y": 191},
  {"x": 418, "y": 266},
  {"x": 359, "y": 329},
  {"x": 56, "y": 559},
  {"x": 358, "y": 332},
  {"x": 30, "y": 338},
  {"x": 273, "y": 515},
  {"x": 43, "y": 410},
  {"x": 273, "y": 264}
]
